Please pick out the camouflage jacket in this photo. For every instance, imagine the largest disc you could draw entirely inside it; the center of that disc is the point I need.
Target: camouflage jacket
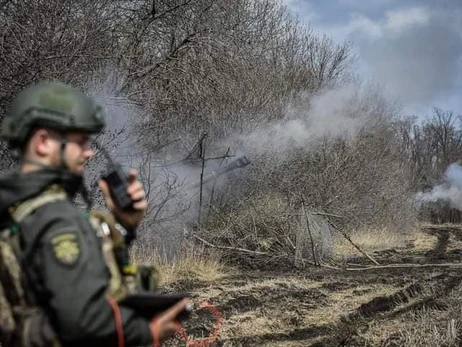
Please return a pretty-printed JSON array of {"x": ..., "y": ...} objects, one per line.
[{"x": 67, "y": 277}]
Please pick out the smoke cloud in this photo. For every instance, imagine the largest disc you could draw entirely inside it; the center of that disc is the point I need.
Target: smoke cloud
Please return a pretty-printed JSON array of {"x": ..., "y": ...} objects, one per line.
[
  {"x": 333, "y": 113},
  {"x": 118, "y": 138},
  {"x": 450, "y": 190},
  {"x": 172, "y": 186}
]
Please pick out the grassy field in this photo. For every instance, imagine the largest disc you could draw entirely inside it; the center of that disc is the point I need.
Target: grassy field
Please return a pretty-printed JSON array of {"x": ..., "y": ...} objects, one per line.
[{"x": 412, "y": 298}]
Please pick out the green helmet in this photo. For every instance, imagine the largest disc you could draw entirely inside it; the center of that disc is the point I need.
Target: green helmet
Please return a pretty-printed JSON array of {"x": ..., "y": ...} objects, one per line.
[{"x": 51, "y": 105}]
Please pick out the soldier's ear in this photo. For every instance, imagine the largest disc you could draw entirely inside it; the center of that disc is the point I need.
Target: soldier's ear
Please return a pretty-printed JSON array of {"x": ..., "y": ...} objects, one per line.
[{"x": 43, "y": 143}]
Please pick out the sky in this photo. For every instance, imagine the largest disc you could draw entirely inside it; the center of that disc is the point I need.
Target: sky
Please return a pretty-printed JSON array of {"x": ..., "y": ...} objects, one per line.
[{"x": 412, "y": 48}]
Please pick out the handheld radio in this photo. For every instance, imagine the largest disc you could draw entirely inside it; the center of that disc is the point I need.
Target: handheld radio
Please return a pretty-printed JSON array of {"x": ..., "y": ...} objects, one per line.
[{"x": 117, "y": 180}]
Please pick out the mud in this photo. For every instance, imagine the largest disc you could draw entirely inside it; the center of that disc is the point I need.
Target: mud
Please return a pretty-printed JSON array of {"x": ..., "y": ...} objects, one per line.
[{"x": 324, "y": 306}]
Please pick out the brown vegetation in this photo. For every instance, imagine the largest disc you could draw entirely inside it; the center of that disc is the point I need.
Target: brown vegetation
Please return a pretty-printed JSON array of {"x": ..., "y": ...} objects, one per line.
[
  {"x": 334, "y": 166},
  {"x": 407, "y": 302}
]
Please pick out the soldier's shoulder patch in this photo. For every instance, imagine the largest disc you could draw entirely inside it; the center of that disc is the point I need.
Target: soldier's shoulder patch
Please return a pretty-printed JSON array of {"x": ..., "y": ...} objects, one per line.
[{"x": 66, "y": 248}]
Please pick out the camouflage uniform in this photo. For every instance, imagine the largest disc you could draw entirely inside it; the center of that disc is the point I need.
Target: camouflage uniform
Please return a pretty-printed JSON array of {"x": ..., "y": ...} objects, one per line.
[{"x": 69, "y": 280}]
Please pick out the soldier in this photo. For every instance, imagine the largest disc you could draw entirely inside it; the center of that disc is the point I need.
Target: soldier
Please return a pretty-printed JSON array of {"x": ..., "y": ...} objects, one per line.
[{"x": 60, "y": 280}]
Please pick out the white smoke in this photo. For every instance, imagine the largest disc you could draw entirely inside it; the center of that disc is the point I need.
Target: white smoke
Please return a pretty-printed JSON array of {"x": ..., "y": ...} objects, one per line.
[
  {"x": 119, "y": 137},
  {"x": 172, "y": 187},
  {"x": 450, "y": 190},
  {"x": 339, "y": 112},
  {"x": 332, "y": 113}
]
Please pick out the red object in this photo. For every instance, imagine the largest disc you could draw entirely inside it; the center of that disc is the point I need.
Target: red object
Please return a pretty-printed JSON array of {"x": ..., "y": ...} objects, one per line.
[
  {"x": 118, "y": 321},
  {"x": 213, "y": 336}
]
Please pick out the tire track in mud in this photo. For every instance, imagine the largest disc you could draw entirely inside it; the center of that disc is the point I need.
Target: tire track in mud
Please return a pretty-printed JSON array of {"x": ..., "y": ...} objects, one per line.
[
  {"x": 441, "y": 245},
  {"x": 443, "y": 234},
  {"x": 417, "y": 296},
  {"x": 255, "y": 295},
  {"x": 426, "y": 291},
  {"x": 414, "y": 297}
]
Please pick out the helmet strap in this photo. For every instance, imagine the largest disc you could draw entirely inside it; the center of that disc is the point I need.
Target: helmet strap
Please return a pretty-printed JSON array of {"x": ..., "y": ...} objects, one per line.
[
  {"x": 63, "y": 141},
  {"x": 83, "y": 189}
]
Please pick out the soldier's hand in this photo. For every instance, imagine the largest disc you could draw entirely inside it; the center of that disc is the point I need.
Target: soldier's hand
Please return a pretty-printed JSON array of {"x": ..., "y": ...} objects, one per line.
[
  {"x": 164, "y": 325},
  {"x": 129, "y": 219}
]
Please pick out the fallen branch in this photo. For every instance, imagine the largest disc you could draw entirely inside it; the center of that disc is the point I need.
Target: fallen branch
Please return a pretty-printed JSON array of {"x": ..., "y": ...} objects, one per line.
[
  {"x": 404, "y": 266},
  {"x": 326, "y": 214},
  {"x": 443, "y": 227},
  {"x": 354, "y": 244}
]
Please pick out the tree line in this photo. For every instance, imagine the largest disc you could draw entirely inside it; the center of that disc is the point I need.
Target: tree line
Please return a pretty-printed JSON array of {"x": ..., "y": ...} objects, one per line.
[{"x": 226, "y": 68}]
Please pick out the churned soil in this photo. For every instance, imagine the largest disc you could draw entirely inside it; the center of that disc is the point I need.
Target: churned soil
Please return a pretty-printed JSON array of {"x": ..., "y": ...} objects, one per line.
[{"x": 351, "y": 304}]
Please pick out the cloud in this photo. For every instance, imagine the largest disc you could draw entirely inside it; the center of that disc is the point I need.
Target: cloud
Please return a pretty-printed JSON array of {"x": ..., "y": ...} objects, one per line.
[
  {"x": 358, "y": 27},
  {"x": 416, "y": 59},
  {"x": 399, "y": 21},
  {"x": 413, "y": 52},
  {"x": 362, "y": 4},
  {"x": 304, "y": 10},
  {"x": 396, "y": 22}
]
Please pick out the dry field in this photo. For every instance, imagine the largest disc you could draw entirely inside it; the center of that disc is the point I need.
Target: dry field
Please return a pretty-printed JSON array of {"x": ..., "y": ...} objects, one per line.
[{"x": 413, "y": 298}]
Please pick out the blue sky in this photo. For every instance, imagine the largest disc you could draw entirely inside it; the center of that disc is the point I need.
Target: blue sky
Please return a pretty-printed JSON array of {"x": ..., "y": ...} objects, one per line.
[{"x": 412, "y": 48}]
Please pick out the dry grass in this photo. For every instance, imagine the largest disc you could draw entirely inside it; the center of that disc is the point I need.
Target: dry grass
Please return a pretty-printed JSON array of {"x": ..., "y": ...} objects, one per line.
[
  {"x": 428, "y": 333},
  {"x": 423, "y": 328},
  {"x": 371, "y": 240},
  {"x": 424, "y": 242},
  {"x": 193, "y": 263},
  {"x": 296, "y": 310},
  {"x": 342, "y": 302},
  {"x": 428, "y": 328},
  {"x": 436, "y": 328}
]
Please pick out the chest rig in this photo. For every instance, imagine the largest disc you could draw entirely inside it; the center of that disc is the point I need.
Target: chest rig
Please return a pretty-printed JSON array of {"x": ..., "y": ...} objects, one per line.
[
  {"x": 123, "y": 273},
  {"x": 17, "y": 312}
]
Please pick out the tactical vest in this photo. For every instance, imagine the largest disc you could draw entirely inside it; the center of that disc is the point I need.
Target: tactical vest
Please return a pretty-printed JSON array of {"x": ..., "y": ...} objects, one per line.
[{"x": 16, "y": 311}]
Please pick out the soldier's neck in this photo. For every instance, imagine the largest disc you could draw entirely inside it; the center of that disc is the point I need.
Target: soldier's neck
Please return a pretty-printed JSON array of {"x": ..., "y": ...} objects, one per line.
[{"x": 31, "y": 165}]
